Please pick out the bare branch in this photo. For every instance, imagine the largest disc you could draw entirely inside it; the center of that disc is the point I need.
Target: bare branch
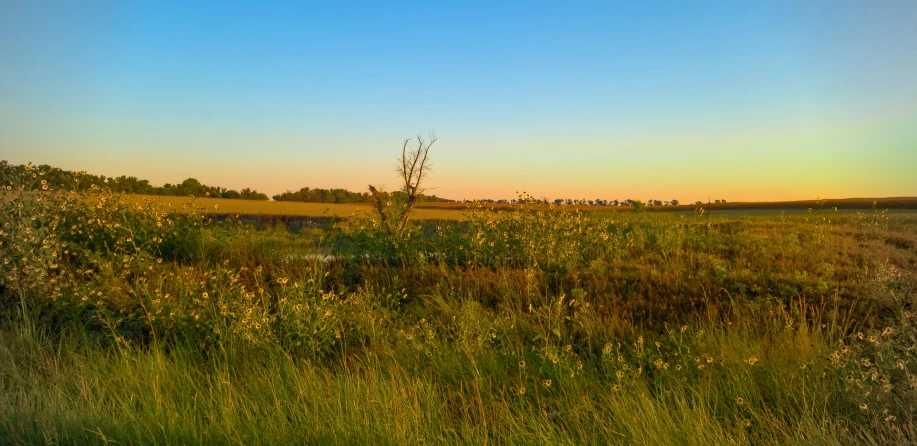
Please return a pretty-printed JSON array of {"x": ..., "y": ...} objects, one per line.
[{"x": 412, "y": 169}]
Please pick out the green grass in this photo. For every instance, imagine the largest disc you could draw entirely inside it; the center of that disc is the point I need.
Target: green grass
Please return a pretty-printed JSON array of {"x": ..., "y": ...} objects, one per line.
[{"x": 540, "y": 326}]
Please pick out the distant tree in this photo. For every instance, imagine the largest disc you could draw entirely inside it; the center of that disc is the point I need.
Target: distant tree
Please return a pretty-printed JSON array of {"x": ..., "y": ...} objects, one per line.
[
  {"x": 249, "y": 194},
  {"x": 559, "y": 201},
  {"x": 638, "y": 205},
  {"x": 698, "y": 203},
  {"x": 717, "y": 201},
  {"x": 674, "y": 202}
]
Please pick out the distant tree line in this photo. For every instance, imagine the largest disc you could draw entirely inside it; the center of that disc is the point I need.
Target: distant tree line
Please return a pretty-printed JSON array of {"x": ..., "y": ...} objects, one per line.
[
  {"x": 627, "y": 202},
  {"x": 580, "y": 202},
  {"x": 82, "y": 181},
  {"x": 317, "y": 195}
]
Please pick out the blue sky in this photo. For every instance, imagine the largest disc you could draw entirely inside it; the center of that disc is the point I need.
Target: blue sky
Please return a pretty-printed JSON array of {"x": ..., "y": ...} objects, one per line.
[{"x": 739, "y": 100}]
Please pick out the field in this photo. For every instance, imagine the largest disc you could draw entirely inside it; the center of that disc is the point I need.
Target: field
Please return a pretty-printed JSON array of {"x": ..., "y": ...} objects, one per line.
[
  {"x": 283, "y": 208},
  {"x": 453, "y": 211},
  {"x": 902, "y": 203},
  {"x": 129, "y": 321}
]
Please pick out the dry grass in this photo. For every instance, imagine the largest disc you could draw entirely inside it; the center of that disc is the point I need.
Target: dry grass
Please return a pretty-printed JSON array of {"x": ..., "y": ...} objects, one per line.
[{"x": 286, "y": 208}]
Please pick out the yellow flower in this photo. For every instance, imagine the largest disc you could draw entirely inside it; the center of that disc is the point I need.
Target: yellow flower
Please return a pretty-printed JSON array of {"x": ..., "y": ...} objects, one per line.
[{"x": 740, "y": 401}]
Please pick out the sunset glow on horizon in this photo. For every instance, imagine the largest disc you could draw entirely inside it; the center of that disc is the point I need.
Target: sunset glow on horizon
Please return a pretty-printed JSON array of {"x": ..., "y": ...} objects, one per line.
[{"x": 767, "y": 102}]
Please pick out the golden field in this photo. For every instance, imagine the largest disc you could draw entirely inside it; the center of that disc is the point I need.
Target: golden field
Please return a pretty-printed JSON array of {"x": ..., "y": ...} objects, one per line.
[{"x": 286, "y": 208}]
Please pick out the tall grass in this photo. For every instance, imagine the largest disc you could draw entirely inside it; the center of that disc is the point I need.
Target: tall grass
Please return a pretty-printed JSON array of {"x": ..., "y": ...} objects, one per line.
[{"x": 140, "y": 324}]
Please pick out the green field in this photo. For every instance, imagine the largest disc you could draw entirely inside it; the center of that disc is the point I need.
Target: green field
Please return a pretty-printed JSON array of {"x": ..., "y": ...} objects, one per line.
[{"x": 127, "y": 321}]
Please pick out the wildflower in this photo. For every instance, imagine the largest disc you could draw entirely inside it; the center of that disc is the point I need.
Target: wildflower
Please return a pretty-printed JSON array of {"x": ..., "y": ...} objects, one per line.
[
  {"x": 522, "y": 390},
  {"x": 866, "y": 362},
  {"x": 740, "y": 401},
  {"x": 547, "y": 383},
  {"x": 522, "y": 364},
  {"x": 709, "y": 360},
  {"x": 205, "y": 295},
  {"x": 864, "y": 406},
  {"x": 752, "y": 360}
]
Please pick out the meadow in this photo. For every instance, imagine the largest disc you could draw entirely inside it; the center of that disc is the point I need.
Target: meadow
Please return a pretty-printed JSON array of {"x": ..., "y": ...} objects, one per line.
[
  {"x": 127, "y": 320},
  {"x": 218, "y": 206}
]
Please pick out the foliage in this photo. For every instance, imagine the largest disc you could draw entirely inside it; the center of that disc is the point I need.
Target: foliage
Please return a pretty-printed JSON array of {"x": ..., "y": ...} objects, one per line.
[
  {"x": 58, "y": 179},
  {"x": 535, "y": 324},
  {"x": 317, "y": 195}
]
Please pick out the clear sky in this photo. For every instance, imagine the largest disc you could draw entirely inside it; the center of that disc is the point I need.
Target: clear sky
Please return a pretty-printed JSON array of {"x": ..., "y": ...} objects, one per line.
[{"x": 764, "y": 100}]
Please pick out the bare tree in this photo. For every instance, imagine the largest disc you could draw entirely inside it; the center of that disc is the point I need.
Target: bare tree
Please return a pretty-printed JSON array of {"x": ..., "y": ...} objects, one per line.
[{"x": 413, "y": 167}]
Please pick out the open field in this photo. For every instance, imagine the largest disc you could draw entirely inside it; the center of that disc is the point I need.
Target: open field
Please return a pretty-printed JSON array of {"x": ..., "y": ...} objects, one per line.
[
  {"x": 454, "y": 211},
  {"x": 822, "y": 204},
  {"x": 285, "y": 208},
  {"x": 540, "y": 326}
]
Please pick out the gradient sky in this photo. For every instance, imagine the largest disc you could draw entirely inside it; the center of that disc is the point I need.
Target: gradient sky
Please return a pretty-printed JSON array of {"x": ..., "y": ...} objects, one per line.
[{"x": 690, "y": 100}]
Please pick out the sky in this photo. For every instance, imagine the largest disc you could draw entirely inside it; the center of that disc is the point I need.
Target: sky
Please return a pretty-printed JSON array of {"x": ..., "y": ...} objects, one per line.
[{"x": 736, "y": 100}]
